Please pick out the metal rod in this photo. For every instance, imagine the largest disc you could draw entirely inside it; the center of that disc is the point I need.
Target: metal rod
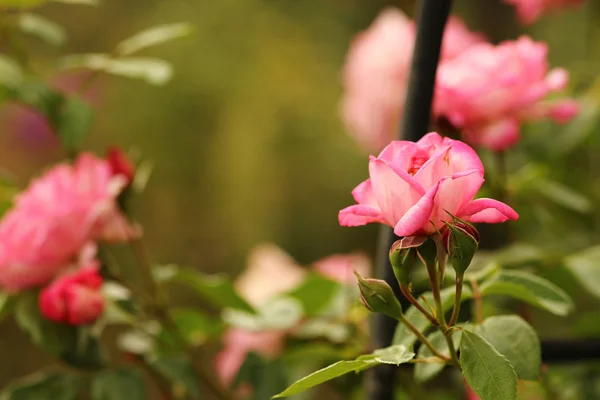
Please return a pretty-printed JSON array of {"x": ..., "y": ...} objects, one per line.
[{"x": 431, "y": 21}]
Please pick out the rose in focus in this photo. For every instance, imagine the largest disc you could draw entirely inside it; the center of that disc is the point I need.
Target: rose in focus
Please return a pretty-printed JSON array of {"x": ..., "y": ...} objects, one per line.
[
  {"x": 530, "y": 11},
  {"x": 58, "y": 216},
  {"x": 414, "y": 187},
  {"x": 376, "y": 74},
  {"x": 488, "y": 91},
  {"x": 73, "y": 298}
]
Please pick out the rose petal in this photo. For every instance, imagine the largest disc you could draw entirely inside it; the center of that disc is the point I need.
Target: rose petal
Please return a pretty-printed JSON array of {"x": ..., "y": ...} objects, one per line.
[
  {"x": 359, "y": 215},
  {"x": 487, "y": 210},
  {"x": 416, "y": 219}
]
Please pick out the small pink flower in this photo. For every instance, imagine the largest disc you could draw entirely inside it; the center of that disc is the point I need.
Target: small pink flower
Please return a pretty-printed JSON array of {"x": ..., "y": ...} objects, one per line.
[
  {"x": 488, "y": 91},
  {"x": 59, "y": 214},
  {"x": 530, "y": 11},
  {"x": 377, "y": 70},
  {"x": 73, "y": 298},
  {"x": 413, "y": 187}
]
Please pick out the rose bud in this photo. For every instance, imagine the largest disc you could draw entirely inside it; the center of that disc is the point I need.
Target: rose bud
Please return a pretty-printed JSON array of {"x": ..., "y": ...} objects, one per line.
[{"x": 378, "y": 296}]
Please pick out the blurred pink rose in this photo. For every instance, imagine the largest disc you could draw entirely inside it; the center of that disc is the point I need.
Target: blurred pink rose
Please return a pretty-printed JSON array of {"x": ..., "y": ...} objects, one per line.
[
  {"x": 413, "y": 187},
  {"x": 489, "y": 90},
  {"x": 530, "y": 11},
  {"x": 340, "y": 267},
  {"x": 73, "y": 298},
  {"x": 56, "y": 217},
  {"x": 376, "y": 74}
]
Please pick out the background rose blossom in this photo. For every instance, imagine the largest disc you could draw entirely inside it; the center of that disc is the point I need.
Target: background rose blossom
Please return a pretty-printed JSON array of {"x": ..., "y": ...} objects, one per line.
[
  {"x": 488, "y": 91},
  {"x": 56, "y": 217},
  {"x": 413, "y": 187},
  {"x": 376, "y": 74},
  {"x": 74, "y": 298},
  {"x": 530, "y": 10}
]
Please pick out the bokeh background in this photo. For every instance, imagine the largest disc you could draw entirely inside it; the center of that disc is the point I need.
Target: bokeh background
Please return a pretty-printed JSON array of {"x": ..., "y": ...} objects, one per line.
[{"x": 246, "y": 140}]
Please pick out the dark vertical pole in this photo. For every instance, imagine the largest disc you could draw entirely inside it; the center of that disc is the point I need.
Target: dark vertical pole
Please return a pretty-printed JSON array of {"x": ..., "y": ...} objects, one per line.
[{"x": 431, "y": 21}]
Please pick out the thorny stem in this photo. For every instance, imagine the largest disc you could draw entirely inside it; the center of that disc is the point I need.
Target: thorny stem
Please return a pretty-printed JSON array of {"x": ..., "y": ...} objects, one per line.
[
  {"x": 477, "y": 299},
  {"x": 406, "y": 292}
]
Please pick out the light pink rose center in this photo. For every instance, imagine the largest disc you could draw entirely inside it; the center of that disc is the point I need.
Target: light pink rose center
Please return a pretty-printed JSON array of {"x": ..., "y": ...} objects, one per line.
[{"x": 416, "y": 163}]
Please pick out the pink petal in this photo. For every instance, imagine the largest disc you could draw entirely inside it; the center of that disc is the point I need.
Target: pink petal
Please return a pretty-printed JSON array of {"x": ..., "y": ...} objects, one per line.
[
  {"x": 363, "y": 194},
  {"x": 488, "y": 211},
  {"x": 454, "y": 193},
  {"x": 557, "y": 79},
  {"x": 394, "y": 190},
  {"x": 417, "y": 218},
  {"x": 359, "y": 215},
  {"x": 431, "y": 139},
  {"x": 563, "y": 111},
  {"x": 497, "y": 136}
]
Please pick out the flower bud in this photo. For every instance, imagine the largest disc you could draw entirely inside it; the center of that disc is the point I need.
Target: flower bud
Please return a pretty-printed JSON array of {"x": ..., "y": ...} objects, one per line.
[
  {"x": 378, "y": 296},
  {"x": 402, "y": 257},
  {"x": 461, "y": 240},
  {"x": 120, "y": 164},
  {"x": 74, "y": 298}
]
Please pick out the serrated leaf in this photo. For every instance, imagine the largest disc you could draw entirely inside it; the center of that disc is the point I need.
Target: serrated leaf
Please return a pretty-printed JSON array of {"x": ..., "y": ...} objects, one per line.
[
  {"x": 11, "y": 73},
  {"x": 488, "y": 373},
  {"x": 153, "y": 70},
  {"x": 326, "y": 374},
  {"x": 515, "y": 339},
  {"x": 404, "y": 336},
  {"x": 396, "y": 355},
  {"x": 529, "y": 288},
  {"x": 43, "y": 28},
  {"x": 217, "y": 289},
  {"x": 585, "y": 266},
  {"x": 44, "y": 386},
  {"x": 153, "y": 36},
  {"x": 427, "y": 371},
  {"x": 118, "y": 384}
]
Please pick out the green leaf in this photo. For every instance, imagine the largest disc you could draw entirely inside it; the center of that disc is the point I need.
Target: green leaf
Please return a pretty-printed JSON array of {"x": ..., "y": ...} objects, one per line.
[
  {"x": 218, "y": 289},
  {"x": 72, "y": 344},
  {"x": 44, "y": 386},
  {"x": 119, "y": 384},
  {"x": 517, "y": 341},
  {"x": 391, "y": 355},
  {"x": 315, "y": 293},
  {"x": 6, "y": 303},
  {"x": 404, "y": 336},
  {"x": 427, "y": 371},
  {"x": 195, "y": 326},
  {"x": 75, "y": 122},
  {"x": 42, "y": 27},
  {"x": 488, "y": 373},
  {"x": 529, "y": 288},
  {"x": 153, "y": 70},
  {"x": 22, "y": 3},
  {"x": 279, "y": 313},
  {"x": 564, "y": 195},
  {"x": 153, "y": 36},
  {"x": 181, "y": 373},
  {"x": 585, "y": 266},
  {"x": 11, "y": 74},
  {"x": 267, "y": 377}
]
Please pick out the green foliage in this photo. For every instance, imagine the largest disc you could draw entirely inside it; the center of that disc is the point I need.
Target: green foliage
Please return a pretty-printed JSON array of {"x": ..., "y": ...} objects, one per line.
[
  {"x": 427, "y": 371},
  {"x": 515, "y": 339},
  {"x": 42, "y": 27},
  {"x": 152, "y": 37},
  {"x": 118, "y": 384},
  {"x": 44, "y": 386},
  {"x": 267, "y": 377},
  {"x": 178, "y": 370},
  {"x": 217, "y": 289},
  {"x": 315, "y": 293},
  {"x": 585, "y": 266},
  {"x": 196, "y": 326},
  {"x": 392, "y": 355},
  {"x": 529, "y": 288},
  {"x": 11, "y": 74},
  {"x": 279, "y": 313},
  {"x": 488, "y": 373}
]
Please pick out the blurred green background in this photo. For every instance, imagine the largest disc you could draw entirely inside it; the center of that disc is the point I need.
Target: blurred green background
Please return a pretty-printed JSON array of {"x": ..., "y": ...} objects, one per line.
[{"x": 245, "y": 140}]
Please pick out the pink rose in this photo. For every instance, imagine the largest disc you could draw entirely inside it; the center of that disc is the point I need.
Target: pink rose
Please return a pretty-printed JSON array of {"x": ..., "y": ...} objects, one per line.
[
  {"x": 377, "y": 70},
  {"x": 73, "y": 298},
  {"x": 530, "y": 10},
  {"x": 489, "y": 90},
  {"x": 413, "y": 187},
  {"x": 56, "y": 217}
]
